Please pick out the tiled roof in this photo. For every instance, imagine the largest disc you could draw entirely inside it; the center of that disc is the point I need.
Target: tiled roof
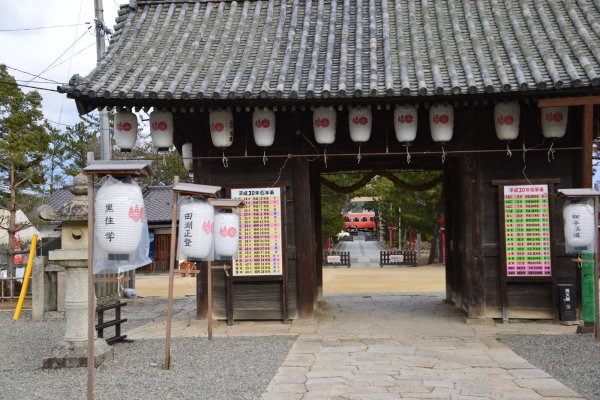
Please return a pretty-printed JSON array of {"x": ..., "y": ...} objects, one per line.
[
  {"x": 157, "y": 200},
  {"x": 303, "y": 49}
]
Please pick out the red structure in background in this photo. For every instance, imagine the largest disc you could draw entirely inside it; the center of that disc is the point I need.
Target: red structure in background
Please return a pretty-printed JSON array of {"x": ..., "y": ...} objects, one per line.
[
  {"x": 392, "y": 233},
  {"x": 363, "y": 221}
]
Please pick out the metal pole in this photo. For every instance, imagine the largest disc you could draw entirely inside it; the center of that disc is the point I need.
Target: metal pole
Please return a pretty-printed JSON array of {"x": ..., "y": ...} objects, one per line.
[
  {"x": 105, "y": 143},
  {"x": 167, "y": 363},
  {"x": 596, "y": 305},
  {"x": 209, "y": 283},
  {"x": 90, "y": 343}
]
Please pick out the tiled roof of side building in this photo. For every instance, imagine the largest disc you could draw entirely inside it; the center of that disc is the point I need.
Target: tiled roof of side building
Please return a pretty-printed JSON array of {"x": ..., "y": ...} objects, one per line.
[
  {"x": 303, "y": 49},
  {"x": 157, "y": 200}
]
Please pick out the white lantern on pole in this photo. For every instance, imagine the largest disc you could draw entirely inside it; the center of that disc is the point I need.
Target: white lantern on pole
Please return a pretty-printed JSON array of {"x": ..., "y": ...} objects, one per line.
[
  {"x": 263, "y": 127},
  {"x": 161, "y": 129},
  {"x": 441, "y": 122},
  {"x": 125, "y": 130},
  {"x": 221, "y": 128},
  {"x": 506, "y": 119},
  {"x": 324, "y": 124},
  {"x": 120, "y": 216},
  {"x": 405, "y": 123},
  {"x": 360, "y": 120},
  {"x": 579, "y": 224},
  {"x": 227, "y": 231},
  {"x": 196, "y": 226},
  {"x": 187, "y": 154},
  {"x": 554, "y": 122}
]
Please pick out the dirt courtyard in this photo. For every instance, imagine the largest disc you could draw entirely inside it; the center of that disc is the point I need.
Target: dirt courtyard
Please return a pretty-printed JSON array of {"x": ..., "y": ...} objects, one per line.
[{"x": 429, "y": 278}]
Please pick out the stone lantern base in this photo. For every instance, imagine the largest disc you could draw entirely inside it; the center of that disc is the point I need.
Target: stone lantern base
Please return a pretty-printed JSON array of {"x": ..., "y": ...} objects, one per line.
[{"x": 74, "y": 354}]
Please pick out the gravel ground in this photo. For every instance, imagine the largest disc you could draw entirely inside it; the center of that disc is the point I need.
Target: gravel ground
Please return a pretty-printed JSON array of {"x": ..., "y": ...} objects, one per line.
[
  {"x": 224, "y": 368},
  {"x": 574, "y": 360}
]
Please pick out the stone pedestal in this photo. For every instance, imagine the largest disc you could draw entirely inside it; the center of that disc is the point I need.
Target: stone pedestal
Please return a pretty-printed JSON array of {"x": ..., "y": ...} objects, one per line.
[{"x": 72, "y": 352}]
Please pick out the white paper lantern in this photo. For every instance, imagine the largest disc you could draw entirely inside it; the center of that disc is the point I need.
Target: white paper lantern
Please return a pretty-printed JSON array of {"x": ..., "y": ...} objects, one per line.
[
  {"x": 441, "y": 122},
  {"x": 227, "y": 231},
  {"x": 119, "y": 217},
  {"x": 263, "y": 127},
  {"x": 125, "y": 130},
  {"x": 360, "y": 120},
  {"x": 506, "y": 119},
  {"x": 579, "y": 225},
  {"x": 161, "y": 129},
  {"x": 221, "y": 128},
  {"x": 554, "y": 122},
  {"x": 324, "y": 123},
  {"x": 405, "y": 123},
  {"x": 196, "y": 226},
  {"x": 187, "y": 154}
]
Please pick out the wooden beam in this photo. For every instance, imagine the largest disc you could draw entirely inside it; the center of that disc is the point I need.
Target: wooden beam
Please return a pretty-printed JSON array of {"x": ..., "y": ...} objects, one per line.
[
  {"x": 304, "y": 239},
  {"x": 569, "y": 101},
  {"x": 587, "y": 139}
]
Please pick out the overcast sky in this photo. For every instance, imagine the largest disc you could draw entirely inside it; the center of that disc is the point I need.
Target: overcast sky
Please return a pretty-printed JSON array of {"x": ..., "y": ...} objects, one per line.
[{"x": 35, "y": 50}]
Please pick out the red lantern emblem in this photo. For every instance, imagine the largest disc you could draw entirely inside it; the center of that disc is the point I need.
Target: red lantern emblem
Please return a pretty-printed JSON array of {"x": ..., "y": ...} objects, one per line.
[
  {"x": 558, "y": 117},
  {"x": 405, "y": 119},
  {"x": 262, "y": 123},
  {"x": 208, "y": 227},
  {"x": 231, "y": 232},
  {"x": 136, "y": 213},
  {"x": 360, "y": 120},
  {"x": 223, "y": 231},
  {"x": 321, "y": 122},
  {"x": 217, "y": 127},
  {"x": 124, "y": 126},
  {"x": 441, "y": 119},
  {"x": 159, "y": 126},
  {"x": 505, "y": 120}
]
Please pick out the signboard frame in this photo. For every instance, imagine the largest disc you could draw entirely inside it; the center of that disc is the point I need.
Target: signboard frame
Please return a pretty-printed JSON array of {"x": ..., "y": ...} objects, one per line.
[
  {"x": 506, "y": 279},
  {"x": 280, "y": 279}
]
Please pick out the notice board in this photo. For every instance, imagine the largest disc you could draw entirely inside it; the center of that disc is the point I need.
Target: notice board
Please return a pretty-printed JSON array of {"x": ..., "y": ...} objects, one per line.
[
  {"x": 526, "y": 220},
  {"x": 527, "y": 230},
  {"x": 261, "y": 246}
]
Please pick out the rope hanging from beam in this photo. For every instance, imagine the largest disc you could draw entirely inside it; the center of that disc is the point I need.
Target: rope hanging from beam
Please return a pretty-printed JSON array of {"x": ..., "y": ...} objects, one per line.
[{"x": 420, "y": 187}]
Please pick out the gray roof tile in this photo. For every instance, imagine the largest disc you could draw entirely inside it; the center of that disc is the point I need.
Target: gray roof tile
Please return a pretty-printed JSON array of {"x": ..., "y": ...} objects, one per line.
[
  {"x": 157, "y": 200},
  {"x": 303, "y": 49}
]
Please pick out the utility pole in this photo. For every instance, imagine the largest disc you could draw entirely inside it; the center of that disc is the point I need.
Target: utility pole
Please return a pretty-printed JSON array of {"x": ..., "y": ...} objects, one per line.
[{"x": 105, "y": 142}]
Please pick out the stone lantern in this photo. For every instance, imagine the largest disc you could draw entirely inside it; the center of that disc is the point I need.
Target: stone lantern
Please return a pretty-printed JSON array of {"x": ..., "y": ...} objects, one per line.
[{"x": 73, "y": 256}]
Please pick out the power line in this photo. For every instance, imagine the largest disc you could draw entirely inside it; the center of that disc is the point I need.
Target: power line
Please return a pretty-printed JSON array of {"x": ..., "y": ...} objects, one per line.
[
  {"x": 29, "y": 73},
  {"x": 68, "y": 59},
  {"x": 27, "y": 86},
  {"x": 58, "y": 58},
  {"x": 42, "y": 27}
]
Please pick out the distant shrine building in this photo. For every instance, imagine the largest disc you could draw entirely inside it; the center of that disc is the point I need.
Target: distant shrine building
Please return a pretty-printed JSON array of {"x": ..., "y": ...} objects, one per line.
[{"x": 458, "y": 80}]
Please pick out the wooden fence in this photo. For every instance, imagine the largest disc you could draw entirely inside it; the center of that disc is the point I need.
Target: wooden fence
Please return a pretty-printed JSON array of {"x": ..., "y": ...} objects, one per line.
[
  {"x": 397, "y": 257},
  {"x": 337, "y": 258}
]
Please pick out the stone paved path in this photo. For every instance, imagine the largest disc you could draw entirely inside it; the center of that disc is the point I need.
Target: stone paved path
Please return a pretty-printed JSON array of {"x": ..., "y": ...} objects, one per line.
[{"x": 388, "y": 346}]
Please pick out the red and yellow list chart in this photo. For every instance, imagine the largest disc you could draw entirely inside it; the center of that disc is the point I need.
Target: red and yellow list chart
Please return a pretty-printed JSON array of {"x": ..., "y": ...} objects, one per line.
[
  {"x": 260, "y": 248},
  {"x": 527, "y": 230}
]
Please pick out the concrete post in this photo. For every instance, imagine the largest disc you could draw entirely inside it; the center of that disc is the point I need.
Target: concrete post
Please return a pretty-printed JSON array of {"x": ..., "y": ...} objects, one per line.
[{"x": 38, "y": 289}]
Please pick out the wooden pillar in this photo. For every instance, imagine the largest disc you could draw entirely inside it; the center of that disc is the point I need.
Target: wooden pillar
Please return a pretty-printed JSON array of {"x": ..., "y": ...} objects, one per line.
[
  {"x": 316, "y": 191},
  {"x": 475, "y": 277},
  {"x": 588, "y": 135},
  {"x": 305, "y": 239}
]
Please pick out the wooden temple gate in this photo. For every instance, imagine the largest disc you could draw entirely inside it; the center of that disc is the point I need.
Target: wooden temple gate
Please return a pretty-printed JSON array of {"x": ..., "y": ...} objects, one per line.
[{"x": 294, "y": 56}]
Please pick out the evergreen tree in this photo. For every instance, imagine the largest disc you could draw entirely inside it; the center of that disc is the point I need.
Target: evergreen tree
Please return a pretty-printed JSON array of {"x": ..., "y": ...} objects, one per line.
[{"x": 24, "y": 145}]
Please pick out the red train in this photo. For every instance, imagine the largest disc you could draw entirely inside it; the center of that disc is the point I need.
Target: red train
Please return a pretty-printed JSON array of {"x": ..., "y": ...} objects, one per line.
[{"x": 361, "y": 221}]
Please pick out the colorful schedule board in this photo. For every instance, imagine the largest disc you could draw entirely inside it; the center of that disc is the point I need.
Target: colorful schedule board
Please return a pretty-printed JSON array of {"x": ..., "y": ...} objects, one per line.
[
  {"x": 260, "y": 249},
  {"x": 527, "y": 230}
]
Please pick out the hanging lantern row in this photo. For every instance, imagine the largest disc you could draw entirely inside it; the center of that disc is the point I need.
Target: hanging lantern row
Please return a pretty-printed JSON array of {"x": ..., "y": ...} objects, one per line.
[
  {"x": 507, "y": 118},
  {"x": 200, "y": 228},
  {"x": 360, "y": 122}
]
